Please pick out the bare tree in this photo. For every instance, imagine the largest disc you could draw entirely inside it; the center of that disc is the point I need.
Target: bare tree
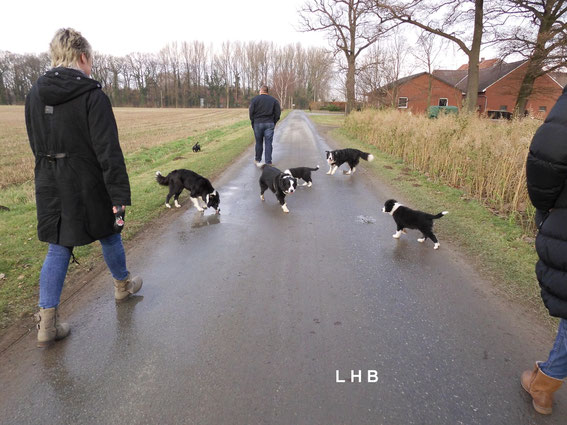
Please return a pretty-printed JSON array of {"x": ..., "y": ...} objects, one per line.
[
  {"x": 538, "y": 34},
  {"x": 426, "y": 55},
  {"x": 454, "y": 25},
  {"x": 351, "y": 28}
]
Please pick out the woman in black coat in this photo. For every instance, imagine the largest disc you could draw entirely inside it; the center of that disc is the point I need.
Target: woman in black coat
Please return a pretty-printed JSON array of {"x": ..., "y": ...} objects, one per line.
[
  {"x": 546, "y": 172},
  {"x": 80, "y": 175}
]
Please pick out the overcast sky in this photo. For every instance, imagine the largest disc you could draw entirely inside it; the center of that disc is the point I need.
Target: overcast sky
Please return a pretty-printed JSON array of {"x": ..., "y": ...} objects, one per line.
[{"x": 119, "y": 27}]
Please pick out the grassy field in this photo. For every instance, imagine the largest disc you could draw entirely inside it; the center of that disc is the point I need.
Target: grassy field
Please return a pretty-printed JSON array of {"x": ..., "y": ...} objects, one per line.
[
  {"x": 152, "y": 139},
  {"x": 500, "y": 247},
  {"x": 138, "y": 128}
]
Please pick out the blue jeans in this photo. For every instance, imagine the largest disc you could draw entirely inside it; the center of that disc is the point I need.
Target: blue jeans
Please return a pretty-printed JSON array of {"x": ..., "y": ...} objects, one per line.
[
  {"x": 556, "y": 364},
  {"x": 56, "y": 264},
  {"x": 264, "y": 131}
]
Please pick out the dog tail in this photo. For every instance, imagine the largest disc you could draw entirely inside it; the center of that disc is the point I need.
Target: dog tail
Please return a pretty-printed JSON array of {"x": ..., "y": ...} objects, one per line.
[
  {"x": 441, "y": 214},
  {"x": 164, "y": 181},
  {"x": 367, "y": 156},
  {"x": 314, "y": 169}
]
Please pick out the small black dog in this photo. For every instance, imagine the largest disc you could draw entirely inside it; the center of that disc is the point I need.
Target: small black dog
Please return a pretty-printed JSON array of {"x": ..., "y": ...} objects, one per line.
[
  {"x": 411, "y": 219},
  {"x": 351, "y": 156},
  {"x": 302, "y": 173},
  {"x": 196, "y": 147},
  {"x": 281, "y": 184},
  {"x": 199, "y": 187}
]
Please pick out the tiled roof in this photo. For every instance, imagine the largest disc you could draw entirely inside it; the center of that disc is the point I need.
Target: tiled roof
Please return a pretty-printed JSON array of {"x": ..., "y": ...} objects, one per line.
[
  {"x": 489, "y": 76},
  {"x": 488, "y": 63},
  {"x": 451, "y": 77},
  {"x": 560, "y": 77}
]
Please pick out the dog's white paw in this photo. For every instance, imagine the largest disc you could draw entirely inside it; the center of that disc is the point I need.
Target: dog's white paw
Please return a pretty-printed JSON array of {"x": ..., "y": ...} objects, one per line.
[
  {"x": 262, "y": 197},
  {"x": 200, "y": 209},
  {"x": 396, "y": 236},
  {"x": 309, "y": 184},
  {"x": 177, "y": 205},
  {"x": 421, "y": 240},
  {"x": 284, "y": 208},
  {"x": 167, "y": 205},
  {"x": 436, "y": 246},
  {"x": 328, "y": 172}
]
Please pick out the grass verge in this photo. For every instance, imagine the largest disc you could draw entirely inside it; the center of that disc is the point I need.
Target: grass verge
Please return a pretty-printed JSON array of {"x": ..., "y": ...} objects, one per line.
[
  {"x": 22, "y": 255},
  {"x": 498, "y": 247}
]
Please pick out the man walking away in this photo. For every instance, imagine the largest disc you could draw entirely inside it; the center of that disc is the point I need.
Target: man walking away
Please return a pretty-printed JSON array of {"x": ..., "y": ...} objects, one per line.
[{"x": 264, "y": 114}]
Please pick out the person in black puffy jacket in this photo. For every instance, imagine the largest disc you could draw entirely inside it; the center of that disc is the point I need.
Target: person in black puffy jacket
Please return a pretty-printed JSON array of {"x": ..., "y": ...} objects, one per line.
[
  {"x": 546, "y": 172},
  {"x": 80, "y": 175}
]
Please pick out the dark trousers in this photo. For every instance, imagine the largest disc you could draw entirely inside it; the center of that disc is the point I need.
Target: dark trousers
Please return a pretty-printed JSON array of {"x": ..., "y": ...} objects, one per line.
[{"x": 264, "y": 132}]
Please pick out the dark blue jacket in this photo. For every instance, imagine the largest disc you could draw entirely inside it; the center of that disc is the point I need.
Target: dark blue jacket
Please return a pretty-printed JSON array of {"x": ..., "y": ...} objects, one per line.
[
  {"x": 264, "y": 108},
  {"x": 546, "y": 172}
]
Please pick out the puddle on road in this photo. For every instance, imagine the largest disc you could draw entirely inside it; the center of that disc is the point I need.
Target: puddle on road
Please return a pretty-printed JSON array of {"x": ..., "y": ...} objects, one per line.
[
  {"x": 205, "y": 220},
  {"x": 365, "y": 219}
]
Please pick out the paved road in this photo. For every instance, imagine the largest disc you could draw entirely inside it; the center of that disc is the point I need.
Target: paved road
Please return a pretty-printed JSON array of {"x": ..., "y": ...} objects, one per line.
[{"x": 245, "y": 318}]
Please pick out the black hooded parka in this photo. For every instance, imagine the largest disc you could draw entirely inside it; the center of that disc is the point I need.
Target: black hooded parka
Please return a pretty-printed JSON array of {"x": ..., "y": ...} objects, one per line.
[
  {"x": 546, "y": 173},
  {"x": 79, "y": 167}
]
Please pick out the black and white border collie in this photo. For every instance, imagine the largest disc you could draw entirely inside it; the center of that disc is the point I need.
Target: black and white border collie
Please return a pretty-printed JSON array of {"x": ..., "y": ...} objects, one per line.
[
  {"x": 351, "y": 156},
  {"x": 281, "y": 184},
  {"x": 406, "y": 218},
  {"x": 200, "y": 189},
  {"x": 302, "y": 173}
]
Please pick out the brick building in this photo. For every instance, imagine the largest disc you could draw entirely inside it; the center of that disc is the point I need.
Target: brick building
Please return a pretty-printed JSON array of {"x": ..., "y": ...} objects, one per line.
[{"x": 499, "y": 84}]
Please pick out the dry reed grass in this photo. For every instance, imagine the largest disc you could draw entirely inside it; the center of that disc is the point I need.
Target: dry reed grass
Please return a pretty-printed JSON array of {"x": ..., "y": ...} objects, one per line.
[
  {"x": 138, "y": 128},
  {"x": 483, "y": 158}
]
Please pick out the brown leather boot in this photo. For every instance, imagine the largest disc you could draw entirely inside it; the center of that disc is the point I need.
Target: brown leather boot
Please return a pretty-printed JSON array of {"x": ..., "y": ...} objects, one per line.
[
  {"x": 123, "y": 288},
  {"x": 541, "y": 387},
  {"x": 49, "y": 329}
]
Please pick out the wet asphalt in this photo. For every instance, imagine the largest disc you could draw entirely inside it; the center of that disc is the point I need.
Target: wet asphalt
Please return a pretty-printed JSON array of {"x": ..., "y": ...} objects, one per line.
[{"x": 247, "y": 318}]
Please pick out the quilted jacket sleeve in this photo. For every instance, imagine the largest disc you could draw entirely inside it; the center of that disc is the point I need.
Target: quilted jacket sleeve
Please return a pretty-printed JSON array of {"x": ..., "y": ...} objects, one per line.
[{"x": 546, "y": 167}]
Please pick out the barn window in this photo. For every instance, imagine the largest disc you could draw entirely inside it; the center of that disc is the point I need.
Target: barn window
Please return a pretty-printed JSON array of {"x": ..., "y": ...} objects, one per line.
[
  {"x": 402, "y": 102},
  {"x": 542, "y": 109},
  {"x": 443, "y": 101},
  {"x": 504, "y": 107}
]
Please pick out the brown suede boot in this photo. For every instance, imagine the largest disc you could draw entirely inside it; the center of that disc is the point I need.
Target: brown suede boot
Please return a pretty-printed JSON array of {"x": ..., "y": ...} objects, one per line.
[
  {"x": 49, "y": 329},
  {"x": 541, "y": 387},
  {"x": 129, "y": 285}
]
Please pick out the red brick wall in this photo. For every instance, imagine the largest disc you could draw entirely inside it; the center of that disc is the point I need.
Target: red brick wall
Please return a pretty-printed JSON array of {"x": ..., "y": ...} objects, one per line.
[
  {"x": 505, "y": 91},
  {"x": 416, "y": 92}
]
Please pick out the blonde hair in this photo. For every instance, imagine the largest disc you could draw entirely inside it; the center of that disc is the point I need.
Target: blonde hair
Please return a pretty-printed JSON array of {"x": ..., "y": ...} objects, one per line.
[{"x": 67, "y": 46}]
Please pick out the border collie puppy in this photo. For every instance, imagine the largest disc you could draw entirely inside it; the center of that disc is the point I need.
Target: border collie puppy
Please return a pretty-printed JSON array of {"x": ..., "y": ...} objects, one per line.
[
  {"x": 196, "y": 147},
  {"x": 302, "y": 173},
  {"x": 199, "y": 187},
  {"x": 351, "y": 156},
  {"x": 281, "y": 184},
  {"x": 406, "y": 218}
]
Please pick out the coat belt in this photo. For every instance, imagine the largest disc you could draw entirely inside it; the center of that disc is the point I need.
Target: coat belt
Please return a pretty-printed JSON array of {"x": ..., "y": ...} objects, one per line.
[{"x": 53, "y": 156}]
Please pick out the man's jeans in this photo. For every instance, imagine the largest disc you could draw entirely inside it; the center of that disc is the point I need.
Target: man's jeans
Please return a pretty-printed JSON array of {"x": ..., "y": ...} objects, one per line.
[
  {"x": 264, "y": 131},
  {"x": 56, "y": 263},
  {"x": 556, "y": 364}
]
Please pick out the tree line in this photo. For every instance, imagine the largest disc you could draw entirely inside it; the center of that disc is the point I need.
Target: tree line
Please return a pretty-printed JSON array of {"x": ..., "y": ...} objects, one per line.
[{"x": 191, "y": 74}]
